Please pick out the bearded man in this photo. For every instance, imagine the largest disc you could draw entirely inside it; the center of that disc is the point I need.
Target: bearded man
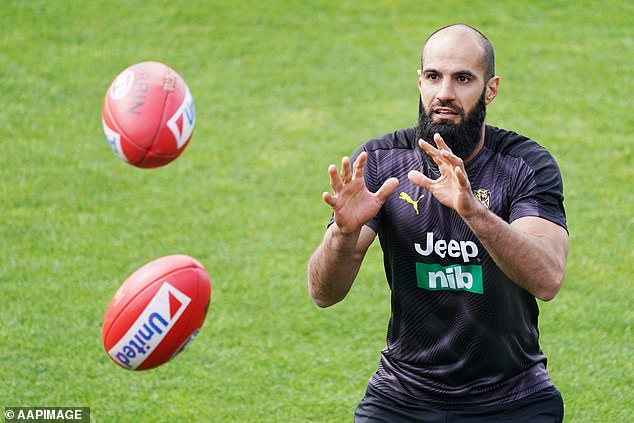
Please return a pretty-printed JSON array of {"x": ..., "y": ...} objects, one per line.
[{"x": 472, "y": 226}]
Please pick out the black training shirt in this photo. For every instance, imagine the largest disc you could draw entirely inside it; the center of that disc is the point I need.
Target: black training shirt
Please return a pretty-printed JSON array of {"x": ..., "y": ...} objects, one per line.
[{"x": 461, "y": 332}]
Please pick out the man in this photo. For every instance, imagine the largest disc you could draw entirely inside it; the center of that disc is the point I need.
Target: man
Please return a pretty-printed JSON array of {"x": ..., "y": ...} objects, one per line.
[{"x": 472, "y": 226}]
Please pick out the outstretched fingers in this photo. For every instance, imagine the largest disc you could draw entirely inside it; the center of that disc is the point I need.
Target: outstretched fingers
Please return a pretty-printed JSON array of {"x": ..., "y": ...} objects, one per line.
[
  {"x": 346, "y": 170},
  {"x": 419, "y": 179},
  {"x": 456, "y": 164},
  {"x": 462, "y": 178},
  {"x": 329, "y": 198},
  {"x": 451, "y": 158},
  {"x": 387, "y": 189},
  {"x": 440, "y": 153},
  {"x": 335, "y": 181},
  {"x": 431, "y": 151},
  {"x": 440, "y": 142},
  {"x": 443, "y": 156},
  {"x": 359, "y": 165},
  {"x": 348, "y": 174}
]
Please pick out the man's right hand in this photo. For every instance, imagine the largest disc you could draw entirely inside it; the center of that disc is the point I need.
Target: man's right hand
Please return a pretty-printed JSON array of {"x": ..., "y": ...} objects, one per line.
[
  {"x": 353, "y": 205},
  {"x": 335, "y": 263}
]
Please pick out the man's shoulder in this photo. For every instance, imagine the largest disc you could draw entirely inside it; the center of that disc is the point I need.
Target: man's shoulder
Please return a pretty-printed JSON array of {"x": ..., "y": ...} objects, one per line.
[
  {"x": 509, "y": 143},
  {"x": 399, "y": 139},
  {"x": 505, "y": 142}
]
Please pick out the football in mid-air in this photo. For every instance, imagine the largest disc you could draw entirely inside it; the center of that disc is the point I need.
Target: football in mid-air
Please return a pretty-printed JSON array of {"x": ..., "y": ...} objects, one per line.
[
  {"x": 148, "y": 115},
  {"x": 156, "y": 312}
]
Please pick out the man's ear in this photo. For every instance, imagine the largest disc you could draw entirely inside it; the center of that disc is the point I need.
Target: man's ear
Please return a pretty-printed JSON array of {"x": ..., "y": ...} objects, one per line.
[{"x": 491, "y": 89}]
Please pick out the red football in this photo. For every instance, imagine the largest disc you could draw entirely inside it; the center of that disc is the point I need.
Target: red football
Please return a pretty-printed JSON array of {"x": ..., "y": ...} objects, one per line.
[
  {"x": 148, "y": 115},
  {"x": 156, "y": 312}
]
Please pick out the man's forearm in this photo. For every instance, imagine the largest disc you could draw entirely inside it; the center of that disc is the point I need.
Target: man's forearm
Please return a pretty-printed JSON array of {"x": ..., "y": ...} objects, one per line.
[
  {"x": 333, "y": 267},
  {"x": 531, "y": 251}
]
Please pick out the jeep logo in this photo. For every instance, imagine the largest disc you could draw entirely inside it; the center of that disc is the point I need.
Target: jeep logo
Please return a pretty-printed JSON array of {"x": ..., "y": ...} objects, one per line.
[{"x": 465, "y": 249}]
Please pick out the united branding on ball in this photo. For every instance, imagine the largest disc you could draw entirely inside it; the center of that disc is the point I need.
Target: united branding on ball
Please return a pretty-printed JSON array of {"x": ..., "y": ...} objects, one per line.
[
  {"x": 151, "y": 327},
  {"x": 156, "y": 312}
]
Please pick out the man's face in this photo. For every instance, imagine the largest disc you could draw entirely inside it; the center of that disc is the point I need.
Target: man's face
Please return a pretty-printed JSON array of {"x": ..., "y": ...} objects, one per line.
[{"x": 453, "y": 91}]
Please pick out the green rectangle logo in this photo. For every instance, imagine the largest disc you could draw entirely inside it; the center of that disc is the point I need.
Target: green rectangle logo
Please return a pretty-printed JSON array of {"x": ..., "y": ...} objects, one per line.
[{"x": 435, "y": 277}]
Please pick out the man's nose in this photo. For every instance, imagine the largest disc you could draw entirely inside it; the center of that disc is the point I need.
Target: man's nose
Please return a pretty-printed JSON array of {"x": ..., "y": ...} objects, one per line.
[{"x": 446, "y": 90}]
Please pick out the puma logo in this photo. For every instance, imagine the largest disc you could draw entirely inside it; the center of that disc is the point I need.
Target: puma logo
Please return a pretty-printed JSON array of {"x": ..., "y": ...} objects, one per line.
[{"x": 404, "y": 196}]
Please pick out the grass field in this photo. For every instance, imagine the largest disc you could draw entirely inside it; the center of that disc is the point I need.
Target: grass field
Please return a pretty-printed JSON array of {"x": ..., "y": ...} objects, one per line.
[{"x": 282, "y": 89}]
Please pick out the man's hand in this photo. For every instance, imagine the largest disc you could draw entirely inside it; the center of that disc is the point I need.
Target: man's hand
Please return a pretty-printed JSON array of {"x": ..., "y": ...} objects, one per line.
[
  {"x": 336, "y": 262},
  {"x": 352, "y": 203},
  {"x": 452, "y": 188}
]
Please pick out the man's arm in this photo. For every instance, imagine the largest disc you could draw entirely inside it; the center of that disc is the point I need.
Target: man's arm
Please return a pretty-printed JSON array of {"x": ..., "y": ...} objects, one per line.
[
  {"x": 531, "y": 251},
  {"x": 336, "y": 262}
]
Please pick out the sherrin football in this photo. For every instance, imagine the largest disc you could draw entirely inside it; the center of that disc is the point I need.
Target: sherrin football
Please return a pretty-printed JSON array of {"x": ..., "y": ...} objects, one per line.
[
  {"x": 156, "y": 312},
  {"x": 148, "y": 115}
]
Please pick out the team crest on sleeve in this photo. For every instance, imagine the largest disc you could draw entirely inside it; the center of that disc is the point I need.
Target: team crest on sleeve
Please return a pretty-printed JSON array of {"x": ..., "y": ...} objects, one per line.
[{"x": 483, "y": 196}]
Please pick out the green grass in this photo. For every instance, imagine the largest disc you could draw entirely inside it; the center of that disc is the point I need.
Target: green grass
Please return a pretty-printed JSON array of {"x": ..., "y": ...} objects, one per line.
[{"x": 282, "y": 89}]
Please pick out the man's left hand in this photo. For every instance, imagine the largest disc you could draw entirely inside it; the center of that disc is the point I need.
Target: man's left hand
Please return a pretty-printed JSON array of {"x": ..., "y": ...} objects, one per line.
[{"x": 452, "y": 188}]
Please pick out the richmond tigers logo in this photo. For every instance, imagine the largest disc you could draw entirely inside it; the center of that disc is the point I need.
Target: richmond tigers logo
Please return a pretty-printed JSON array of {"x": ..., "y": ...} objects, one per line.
[{"x": 483, "y": 196}]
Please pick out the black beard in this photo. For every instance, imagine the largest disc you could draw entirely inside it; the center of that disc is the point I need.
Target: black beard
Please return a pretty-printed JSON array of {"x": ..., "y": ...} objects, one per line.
[{"x": 463, "y": 137}]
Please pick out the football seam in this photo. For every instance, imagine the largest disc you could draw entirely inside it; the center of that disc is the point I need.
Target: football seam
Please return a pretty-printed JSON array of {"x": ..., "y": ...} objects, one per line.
[
  {"x": 157, "y": 130},
  {"x": 118, "y": 126}
]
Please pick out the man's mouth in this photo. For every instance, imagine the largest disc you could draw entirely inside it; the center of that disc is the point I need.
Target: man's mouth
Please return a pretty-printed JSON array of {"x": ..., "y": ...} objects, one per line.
[{"x": 445, "y": 112}]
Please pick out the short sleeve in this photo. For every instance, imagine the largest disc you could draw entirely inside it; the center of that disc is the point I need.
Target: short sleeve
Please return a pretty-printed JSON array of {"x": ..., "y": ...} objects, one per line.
[{"x": 539, "y": 188}]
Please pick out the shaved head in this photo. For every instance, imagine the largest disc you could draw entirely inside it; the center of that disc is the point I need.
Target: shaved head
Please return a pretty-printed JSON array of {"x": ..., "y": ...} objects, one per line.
[
  {"x": 463, "y": 30},
  {"x": 456, "y": 82}
]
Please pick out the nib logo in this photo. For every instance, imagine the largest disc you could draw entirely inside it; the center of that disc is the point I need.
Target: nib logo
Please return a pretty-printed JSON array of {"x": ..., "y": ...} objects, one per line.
[
  {"x": 182, "y": 122},
  {"x": 435, "y": 277},
  {"x": 151, "y": 327}
]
